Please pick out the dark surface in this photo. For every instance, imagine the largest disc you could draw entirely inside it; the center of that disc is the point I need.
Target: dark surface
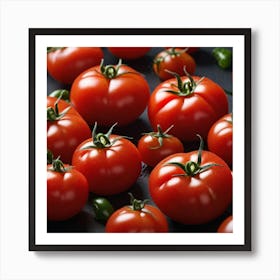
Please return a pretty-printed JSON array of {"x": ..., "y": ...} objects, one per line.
[{"x": 206, "y": 66}]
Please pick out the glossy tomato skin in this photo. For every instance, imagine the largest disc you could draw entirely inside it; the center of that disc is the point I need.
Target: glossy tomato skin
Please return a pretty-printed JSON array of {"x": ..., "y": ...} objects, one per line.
[
  {"x": 149, "y": 219},
  {"x": 65, "y": 133},
  {"x": 99, "y": 99},
  {"x": 194, "y": 199},
  {"x": 67, "y": 193},
  {"x": 109, "y": 170},
  {"x": 129, "y": 52},
  {"x": 152, "y": 153},
  {"x": 191, "y": 115},
  {"x": 174, "y": 60},
  {"x": 220, "y": 138},
  {"x": 65, "y": 64},
  {"x": 226, "y": 226}
]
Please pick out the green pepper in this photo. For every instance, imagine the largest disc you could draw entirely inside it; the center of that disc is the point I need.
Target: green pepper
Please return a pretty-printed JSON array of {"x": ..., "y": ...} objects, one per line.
[
  {"x": 223, "y": 57},
  {"x": 103, "y": 209}
]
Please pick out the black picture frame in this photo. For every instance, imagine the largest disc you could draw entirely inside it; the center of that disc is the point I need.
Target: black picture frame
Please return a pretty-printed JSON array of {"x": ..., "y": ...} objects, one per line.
[{"x": 245, "y": 32}]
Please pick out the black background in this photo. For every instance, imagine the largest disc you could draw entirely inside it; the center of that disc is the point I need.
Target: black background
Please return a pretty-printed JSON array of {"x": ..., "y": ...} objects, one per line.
[{"x": 206, "y": 66}]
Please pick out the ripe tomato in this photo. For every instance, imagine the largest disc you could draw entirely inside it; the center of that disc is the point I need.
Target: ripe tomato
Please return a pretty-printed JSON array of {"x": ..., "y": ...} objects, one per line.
[
  {"x": 155, "y": 146},
  {"x": 110, "y": 163},
  {"x": 191, "y": 188},
  {"x": 220, "y": 138},
  {"x": 67, "y": 191},
  {"x": 174, "y": 60},
  {"x": 65, "y": 64},
  {"x": 109, "y": 94},
  {"x": 129, "y": 52},
  {"x": 226, "y": 226},
  {"x": 137, "y": 217},
  {"x": 191, "y": 104},
  {"x": 65, "y": 130}
]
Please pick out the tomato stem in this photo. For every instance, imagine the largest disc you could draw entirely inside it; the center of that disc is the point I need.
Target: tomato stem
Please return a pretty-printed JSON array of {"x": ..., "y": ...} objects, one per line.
[
  {"x": 101, "y": 140},
  {"x": 58, "y": 166},
  {"x": 160, "y": 134},
  {"x": 137, "y": 204},
  {"x": 61, "y": 93},
  {"x": 184, "y": 89},
  {"x": 192, "y": 168},
  {"x": 53, "y": 113},
  {"x": 110, "y": 71}
]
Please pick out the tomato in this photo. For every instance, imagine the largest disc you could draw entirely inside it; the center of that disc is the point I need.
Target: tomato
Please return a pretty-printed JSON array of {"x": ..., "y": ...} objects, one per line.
[
  {"x": 65, "y": 64},
  {"x": 110, "y": 163},
  {"x": 109, "y": 94},
  {"x": 129, "y": 52},
  {"x": 137, "y": 217},
  {"x": 220, "y": 138},
  {"x": 155, "y": 146},
  {"x": 174, "y": 60},
  {"x": 192, "y": 188},
  {"x": 103, "y": 209},
  {"x": 226, "y": 226},
  {"x": 65, "y": 130},
  {"x": 67, "y": 191},
  {"x": 191, "y": 104}
]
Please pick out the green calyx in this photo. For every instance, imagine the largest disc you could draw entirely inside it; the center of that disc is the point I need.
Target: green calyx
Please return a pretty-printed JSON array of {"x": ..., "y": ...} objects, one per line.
[
  {"x": 192, "y": 168},
  {"x": 184, "y": 88},
  {"x": 102, "y": 140},
  {"x": 137, "y": 204},
  {"x": 53, "y": 114},
  {"x": 110, "y": 71},
  {"x": 160, "y": 135},
  {"x": 63, "y": 94},
  {"x": 58, "y": 166}
]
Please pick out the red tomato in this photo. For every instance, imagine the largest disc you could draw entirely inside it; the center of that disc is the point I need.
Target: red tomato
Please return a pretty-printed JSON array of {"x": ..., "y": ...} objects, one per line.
[
  {"x": 220, "y": 138},
  {"x": 137, "y": 217},
  {"x": 65, "y": 130},
  {"x": 226, "y": 226},
  {"x": 65, "y": 64},
  {"x": 129, "y": 52},
  {"x": 110, "y": 94},
  {"x": 174, "y": 60},
  {"x": 191, "y": 104},
  {"x": 67, "y": 191},
  {"x": 155, "y": 146},
  {"x": 110, "y": 163},
  {"x": 192, "y": 188}
]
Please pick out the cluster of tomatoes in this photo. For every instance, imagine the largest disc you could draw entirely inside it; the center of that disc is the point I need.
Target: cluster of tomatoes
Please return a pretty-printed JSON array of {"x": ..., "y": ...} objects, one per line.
[{"x": 85, "y": 156}]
